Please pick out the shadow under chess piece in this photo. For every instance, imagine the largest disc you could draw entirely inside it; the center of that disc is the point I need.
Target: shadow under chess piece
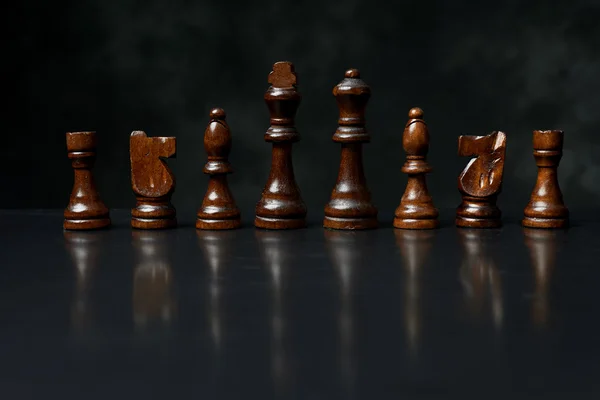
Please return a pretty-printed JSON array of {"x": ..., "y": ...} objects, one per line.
[
  {"x": 218, "y": 209},
  {"x": 153, "y": 297},
  {"x": 480, "y": 183},
  {"x": 479, "y": 275},
  {"x": 546, "y": 208},
  {"x": 85, "y": 210},
  {"x": 543, "y": 247},
  {"x": 85, "y": 249},
  {"x": 415, "y": 246},
  {"x": 152, "y": 181},
  {"x": 416, "y": 210},
  {"x": 217, "y": 247},
  {"x": 281, "y": 205},
  {"x": 350, "y": 205}
]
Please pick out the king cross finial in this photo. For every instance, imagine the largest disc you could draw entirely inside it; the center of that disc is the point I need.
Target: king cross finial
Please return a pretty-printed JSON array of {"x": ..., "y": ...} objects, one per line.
[{"x": 283, "y": 75}]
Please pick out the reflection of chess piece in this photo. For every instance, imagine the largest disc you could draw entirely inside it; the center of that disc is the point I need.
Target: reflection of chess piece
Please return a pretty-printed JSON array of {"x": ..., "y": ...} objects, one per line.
[
  {"x": 479, "y": 275},
  {"x": 543, "y": 246},
  {"x": 84, "y": 248},
  {"x": 153, "y": 298},
  {"x": 480, "y": 182},
  {"x": 277, "y": 249},
  {"x": 217, "y": 247},
  {"x": 414, "y": 246},
  {"x": 348, "y": 254}
]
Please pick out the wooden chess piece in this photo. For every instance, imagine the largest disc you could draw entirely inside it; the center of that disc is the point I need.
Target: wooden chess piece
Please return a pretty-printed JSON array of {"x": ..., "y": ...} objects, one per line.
[
  {"x": 85, "y": 210},
  {"x": 416, "y": 210},
  {"x": 218, "y": 209},
  {"x": 281, "y": 205},
  {"x": 152, "y": 181},
  {"x": 350, "y": 205},
  {"x": 480, "y": 183},
  {"x": 546, "y": 208}
]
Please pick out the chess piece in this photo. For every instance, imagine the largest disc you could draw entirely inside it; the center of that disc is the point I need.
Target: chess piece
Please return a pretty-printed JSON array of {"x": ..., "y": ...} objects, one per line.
[
  {"x": 218, "y": 209},
  {"x": 85, "y": 210},
  {"x": 543, "y": 248},
  {"x": 350, "y": 206},
  {"x": 480, "y": 182},
  {"x": 152, "y": 181},
  {"x": 416, "y": 210},
  {"x": 546, "y": 208},
  {"x": 281, "y": 205}
]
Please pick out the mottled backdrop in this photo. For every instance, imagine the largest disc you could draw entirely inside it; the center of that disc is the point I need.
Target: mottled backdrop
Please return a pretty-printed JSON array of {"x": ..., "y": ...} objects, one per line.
[{"x": 158, "y": 66}]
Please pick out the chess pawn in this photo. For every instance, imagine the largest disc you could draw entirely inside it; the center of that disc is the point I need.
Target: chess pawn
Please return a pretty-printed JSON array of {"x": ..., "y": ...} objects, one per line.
[
  {"x": 546, "y": 208},
  {"x": 85, "y": 210},
  {"x": 281, "y": 205},
  {"x": 480, "y": 183},
  {"x": 416, "y": 210},
  {"x": 218, "y": 209},
  {"x": 152, "y": 181},
  {"x": 350, "y": 205}
]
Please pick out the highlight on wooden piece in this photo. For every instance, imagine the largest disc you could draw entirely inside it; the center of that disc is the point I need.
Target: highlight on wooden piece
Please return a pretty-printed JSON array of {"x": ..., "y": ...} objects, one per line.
[
  {"x": 218, "y": 209},
  {"x": 85, "y": 209},
  {"x": 281, "y": 205},
  {"x": 350, "y": 206},
  {"x": 416, "y": 209},
  {"x": 546, "y": 208},
  {"x": 152, "y": 181},
  {"x": 480, "y": 183}
]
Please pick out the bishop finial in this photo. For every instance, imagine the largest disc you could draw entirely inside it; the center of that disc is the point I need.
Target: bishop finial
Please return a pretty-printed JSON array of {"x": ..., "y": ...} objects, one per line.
[{"x": 415, "y": 113}]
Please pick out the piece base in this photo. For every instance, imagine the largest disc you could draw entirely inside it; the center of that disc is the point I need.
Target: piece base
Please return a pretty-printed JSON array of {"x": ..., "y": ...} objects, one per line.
[
  {"x": 153, "y": 223},
  {"x": 279, "y": 223},
  {"x": 86, "y": 224},
  {"x": 407, "y": 223},
  {"x": 545, "y": 223},
  {"x": 463, "y": 222},
  {"x": 217, "y": 224},
  {"x": 350, "y": 223}
]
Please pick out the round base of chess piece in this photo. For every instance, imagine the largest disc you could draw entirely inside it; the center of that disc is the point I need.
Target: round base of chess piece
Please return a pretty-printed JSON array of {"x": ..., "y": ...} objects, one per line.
[
  {"x": 86, "y": 224},
  {"x": 350, "y": 223},
  {"x": 478, "y": 213},
  {"x": 279, "y": 223},
  {"x": 156, "y": 213},
  {"x": 545, "y": 223},
  {"x": 218, "y": 224},
  {"x": 407, "y": 223}
]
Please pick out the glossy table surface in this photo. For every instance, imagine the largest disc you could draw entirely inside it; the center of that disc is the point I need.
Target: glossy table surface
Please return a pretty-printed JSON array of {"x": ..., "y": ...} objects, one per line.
[{"x": 304, "y": 314}]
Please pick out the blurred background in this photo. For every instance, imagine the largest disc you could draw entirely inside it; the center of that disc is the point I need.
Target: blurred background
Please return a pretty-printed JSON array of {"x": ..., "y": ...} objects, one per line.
[{"x": 119, "y": 66}]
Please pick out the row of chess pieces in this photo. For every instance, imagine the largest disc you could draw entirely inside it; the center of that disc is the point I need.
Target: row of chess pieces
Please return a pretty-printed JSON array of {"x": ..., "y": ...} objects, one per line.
[{"x": 350, "y": 207}]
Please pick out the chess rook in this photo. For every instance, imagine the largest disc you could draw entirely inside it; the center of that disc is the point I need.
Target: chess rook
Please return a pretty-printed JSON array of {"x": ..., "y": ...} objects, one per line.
[
  {"x": 416, "y": 210},
  {"x": 85, "y": 210},
  {"x": 480, "y": 183},
  {"x": 218, "y": 209},
  {"x": 152, "y": 181},
  {"x": 281, "y": 205},
  {"x": 546, "y": 208},
  {"x": 350, "y": 205}
]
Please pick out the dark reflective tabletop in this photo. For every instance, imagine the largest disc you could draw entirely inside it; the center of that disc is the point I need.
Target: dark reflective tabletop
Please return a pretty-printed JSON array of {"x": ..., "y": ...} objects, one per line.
[{"x": 304, "y": 314}]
